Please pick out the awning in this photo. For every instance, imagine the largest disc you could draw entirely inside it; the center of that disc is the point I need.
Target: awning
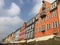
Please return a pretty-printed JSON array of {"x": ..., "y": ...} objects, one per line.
[
  {"x": 18, "y": 41},
  {"x": 44, "y": 38},
  {"x": 30, "y": 40},
  {"x": 41, "y": 38}
]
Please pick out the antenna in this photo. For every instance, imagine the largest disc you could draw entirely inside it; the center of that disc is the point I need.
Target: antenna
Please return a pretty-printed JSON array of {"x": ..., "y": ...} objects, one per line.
[{"x": 43, "y": 1}]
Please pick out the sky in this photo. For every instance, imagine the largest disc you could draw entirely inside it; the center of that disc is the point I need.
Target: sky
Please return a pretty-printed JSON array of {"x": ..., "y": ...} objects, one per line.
[{"x": 14, "y": 12}]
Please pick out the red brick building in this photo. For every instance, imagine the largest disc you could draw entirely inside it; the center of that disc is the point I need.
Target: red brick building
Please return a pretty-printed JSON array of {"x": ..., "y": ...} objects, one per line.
[{"x": 22, "y": 32}]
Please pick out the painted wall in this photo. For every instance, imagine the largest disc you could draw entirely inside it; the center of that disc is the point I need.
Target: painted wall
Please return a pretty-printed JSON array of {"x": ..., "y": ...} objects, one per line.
[
  {"x": 59, "y": 14},
  {"x": 46, "y": 21}
]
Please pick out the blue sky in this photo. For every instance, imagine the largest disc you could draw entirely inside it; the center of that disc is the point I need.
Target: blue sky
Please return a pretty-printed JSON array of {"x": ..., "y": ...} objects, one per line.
[{"x": 14, "y": 12}]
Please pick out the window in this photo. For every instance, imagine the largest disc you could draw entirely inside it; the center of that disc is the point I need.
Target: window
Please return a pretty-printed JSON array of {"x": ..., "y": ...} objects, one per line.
[
  {"x": 31, "y": 34},
  {"x": 27, "y": 28},
  {"x": 25, "y": 36},
  {"x": 47, "y": 17},
  {"x": 48, "y": 9},
  {"x": 48, "y": 26},
  {"x": 43, "y": 27},
  {"x": 28, "y": 35},
  {"x": 55, "y": 24},
  {"x": 54, "y": 5},
  {"x": 43, "y": 6},
  {"x": 36, "y": 18},
  {"x": 53, "y": 13},
  {"x": 33, "y": 26},
  {"x": 33, "y": 19},
  {"x": 42, "y": 20},
  {"x": 30, "y": 27}
]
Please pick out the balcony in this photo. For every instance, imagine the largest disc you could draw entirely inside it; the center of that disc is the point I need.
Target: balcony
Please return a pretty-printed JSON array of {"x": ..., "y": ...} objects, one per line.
[
  {"x": 43, "y": 15},
  {"x": 43, "y": 31},
  {"x": 55, "y": 32},
  {"x": 53, "y": 9}
]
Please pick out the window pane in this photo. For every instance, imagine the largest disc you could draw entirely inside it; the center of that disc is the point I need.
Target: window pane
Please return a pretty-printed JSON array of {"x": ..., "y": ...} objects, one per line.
[
  {"x": 43, "y": 27},
  {"x": 53, "y": 13},
  {"x": 31, "y": 34},
  {"x": 54, "y": 5},
  {"x": 55, "y": 24},
  {"x": 33, "y": 26},
  {"x": 48, "y": 17},
  {"x": 48, "y": 26}
]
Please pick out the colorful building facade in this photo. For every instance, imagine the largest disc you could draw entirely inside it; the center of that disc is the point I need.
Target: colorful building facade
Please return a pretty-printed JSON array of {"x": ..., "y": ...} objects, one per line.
[
  {"x": 45, "y": 25},
  {"x": 29, "y": 31},
  {"x": 9, "y": 38},
  {"x": 22, "y": 32},
  {"x": 48, "y": 20},
  {"x": 16, "y": 35}
]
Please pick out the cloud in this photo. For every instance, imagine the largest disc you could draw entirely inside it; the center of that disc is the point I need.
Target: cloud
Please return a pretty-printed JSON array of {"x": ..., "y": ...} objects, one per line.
[
  {"x": 9, "y": 19},
  {"x": 8, "y": 25},
  {"x": 1, "y": 3},
  {"x": 36, "y": 7},
  {"x": 14, "y": 10},
  {"x": 50, "y": 1}
]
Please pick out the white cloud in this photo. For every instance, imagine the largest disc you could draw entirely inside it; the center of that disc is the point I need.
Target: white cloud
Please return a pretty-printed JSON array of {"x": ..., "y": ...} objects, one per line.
[
  {"x": 50, "y": 1},
  {"x": 8, "y": 25},
  {"x": 36, "y": 7},
  {"x": 9, "y": 19},
  {"x": 1, "y": 3},
  {"x": 14, "y": 10}
]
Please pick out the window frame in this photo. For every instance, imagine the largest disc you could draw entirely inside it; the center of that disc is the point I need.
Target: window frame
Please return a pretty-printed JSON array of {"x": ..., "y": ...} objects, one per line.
[{"x": 48, "y": 26}]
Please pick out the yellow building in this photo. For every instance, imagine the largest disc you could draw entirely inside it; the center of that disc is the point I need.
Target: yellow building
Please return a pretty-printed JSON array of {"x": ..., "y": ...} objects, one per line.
[
  {"x": 58, "y": 8},
  {"x": 9, "y": 38}
]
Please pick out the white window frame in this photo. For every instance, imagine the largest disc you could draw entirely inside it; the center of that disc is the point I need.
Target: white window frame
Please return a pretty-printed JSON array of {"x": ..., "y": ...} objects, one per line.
[
  {"x": 55, "y": 24},
  {"x": 48, "y": 26},
  {"x": 54, "y": 5},
  {"x": 53, "y": 13}
]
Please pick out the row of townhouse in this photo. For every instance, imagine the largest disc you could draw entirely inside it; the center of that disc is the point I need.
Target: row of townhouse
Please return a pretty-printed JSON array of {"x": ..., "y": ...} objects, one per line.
[
  {"x": 13, "y": 37},
  {"x": 45, "y": 24},
  {"x": 9, "y": 38}
]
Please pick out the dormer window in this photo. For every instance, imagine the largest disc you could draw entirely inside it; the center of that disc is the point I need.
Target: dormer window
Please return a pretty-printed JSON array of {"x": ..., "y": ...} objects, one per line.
[
  {"x": 53, "y": 6},
  {"x": 43, "y": 5}
]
